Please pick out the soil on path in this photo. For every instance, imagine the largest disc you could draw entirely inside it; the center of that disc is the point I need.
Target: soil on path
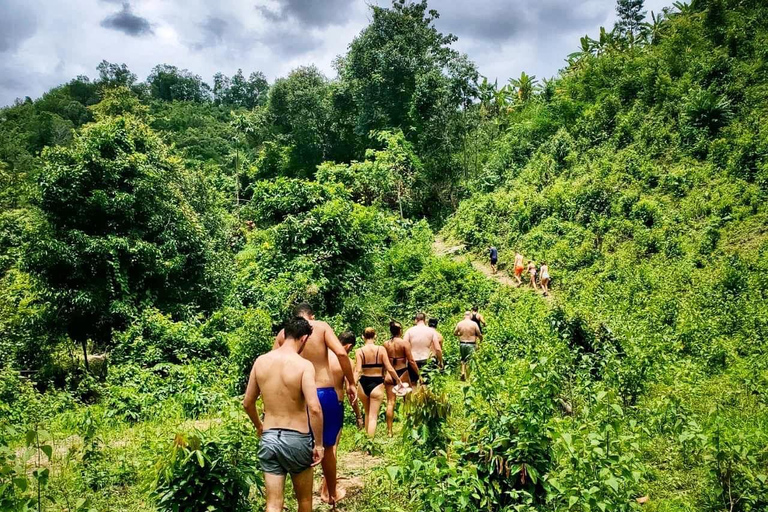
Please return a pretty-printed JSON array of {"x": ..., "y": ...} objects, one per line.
[
  {"x": 458, "y": 252},
  {"x": 353, "y": 467}
]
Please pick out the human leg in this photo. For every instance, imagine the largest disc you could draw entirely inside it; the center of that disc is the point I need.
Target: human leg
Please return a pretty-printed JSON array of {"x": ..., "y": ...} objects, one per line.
[
  {"x": 275, "y": 485},
  {"x": 391, "y": 397},
  {"x": 302, "y": 486},
  {"x": 374, "y": 404}
]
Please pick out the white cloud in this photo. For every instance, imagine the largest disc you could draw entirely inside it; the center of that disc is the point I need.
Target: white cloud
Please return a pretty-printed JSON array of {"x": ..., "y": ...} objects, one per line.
[{"x": 53, "y": 41}]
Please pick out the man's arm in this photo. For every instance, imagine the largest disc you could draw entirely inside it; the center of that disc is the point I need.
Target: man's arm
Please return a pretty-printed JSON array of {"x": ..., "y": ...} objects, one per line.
[
  {"x": 333, "y": 343},
  {"x": 482, "y": 319},
  {"x": 437, "y": 345},
  {"x": 456, "y": 331},
  {"x": 478, "y": 333},
  {"x": 252, "y": 393},
  {"x": 309, "y": 389},
  {"x": 279, "y": 339}
]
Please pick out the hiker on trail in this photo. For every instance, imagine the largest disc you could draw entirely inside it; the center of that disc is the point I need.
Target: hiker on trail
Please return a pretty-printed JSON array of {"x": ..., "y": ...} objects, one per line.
[
  {"x": 399, "y": 353},
  {"x": 286, "y": 383},
  {"x": 469, "y": 335},
  {"x": 544, "y": 278},
  {"x": 432, "y": 323},
  {"x": 494, "y": 254},
  {"x": 532, "y": 273},
  {"x": 347, "y": 339},
  {"x": 478, "y": 318},
  {"x": 519, "y": 268},
  {"x": 371, "y": 361},
  {"x": 424, "y": 342},
  {"x": 317, "y": 352}
]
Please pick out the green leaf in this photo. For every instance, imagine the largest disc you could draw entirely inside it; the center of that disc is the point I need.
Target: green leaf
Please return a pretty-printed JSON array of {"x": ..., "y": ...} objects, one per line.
[
  {"x": 47, "y": 450},
  {"x": 392, "y": 472},
  {"x": 30, "y": 438},
  {"x": 613, "y": 483},
  {"x": 572, "y": 501},
  {"x": 200, "y": 459},
  {"x": 21, "y": 483}
]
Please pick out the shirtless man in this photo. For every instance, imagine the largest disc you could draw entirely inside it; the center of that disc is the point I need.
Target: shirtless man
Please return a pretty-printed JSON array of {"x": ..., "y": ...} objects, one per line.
[
  {"x": 317, "y": 352},
  {"x": 286, "y": 383},
  {"x": 469, "y": 334},
  {"x": 424, "y": 341},
  {"x": 519, "y": 268},
  {"x": 347, "y": 340},
  {"x": 478, "y": 318},
  {"x": 433, "y": 325}
]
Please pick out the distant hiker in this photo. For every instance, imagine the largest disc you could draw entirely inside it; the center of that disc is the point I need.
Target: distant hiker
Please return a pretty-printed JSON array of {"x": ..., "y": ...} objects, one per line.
[
  {"x": 317, "y": 349},
  {"x": 286, "y": 383},
  {"x": 478, "y": 318},
  {"x": 432, "y": 323},
  {"x": 532, "y": 273},
  {"x": 424, "y": 342},
  {"x": 469, "y": 334},
  {"x": 399, "y": 353},
  {"x": 544, "y": 278},
  {"x": 347, "y": 339},
  {"x": 494, "y": 254},
  {"x": 519, "y": 268},
  {"x": 371, "y": 361}
]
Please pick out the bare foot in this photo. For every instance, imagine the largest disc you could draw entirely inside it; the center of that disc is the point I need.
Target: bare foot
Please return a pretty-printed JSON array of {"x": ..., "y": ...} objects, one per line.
[
  {"x": 341, "y": 493},
  {"x": 324, "y": 492}
]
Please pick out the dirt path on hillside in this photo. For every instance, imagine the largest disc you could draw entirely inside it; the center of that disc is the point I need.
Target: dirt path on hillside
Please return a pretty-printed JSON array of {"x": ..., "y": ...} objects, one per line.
[
  {"x": 458, "y": 253},
  {"x": 352, "y": 467}
]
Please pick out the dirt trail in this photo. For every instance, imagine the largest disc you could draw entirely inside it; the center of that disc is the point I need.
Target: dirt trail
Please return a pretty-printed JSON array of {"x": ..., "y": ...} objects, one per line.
[
  {"x": 352, "y": 470},
  {"x": 458, "y": 253}
]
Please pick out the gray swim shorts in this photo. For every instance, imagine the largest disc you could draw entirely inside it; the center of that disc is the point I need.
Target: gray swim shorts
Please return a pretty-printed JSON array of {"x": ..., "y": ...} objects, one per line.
[{"x": 285, "y": 451}]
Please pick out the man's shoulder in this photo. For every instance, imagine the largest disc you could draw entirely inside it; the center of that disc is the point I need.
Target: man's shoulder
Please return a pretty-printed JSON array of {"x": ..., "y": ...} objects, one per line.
[{"x": 319, "y": 325}]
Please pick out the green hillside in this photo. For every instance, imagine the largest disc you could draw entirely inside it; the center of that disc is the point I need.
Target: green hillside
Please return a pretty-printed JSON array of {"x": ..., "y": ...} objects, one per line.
[{"x": 155, "y": 235}]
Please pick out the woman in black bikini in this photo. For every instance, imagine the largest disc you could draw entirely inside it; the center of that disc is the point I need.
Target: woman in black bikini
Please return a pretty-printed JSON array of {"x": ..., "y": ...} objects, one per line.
[
  {"x": 400, "y": 356},
  {"x": 371, "y": 361}
]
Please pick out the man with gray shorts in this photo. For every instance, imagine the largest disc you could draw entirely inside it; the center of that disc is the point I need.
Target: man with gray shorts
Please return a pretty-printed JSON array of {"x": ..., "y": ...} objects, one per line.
[{"x": 286, "y": 383}]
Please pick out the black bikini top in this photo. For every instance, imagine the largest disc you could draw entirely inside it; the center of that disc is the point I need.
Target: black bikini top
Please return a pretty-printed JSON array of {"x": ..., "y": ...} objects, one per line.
[{"x": 377, "y": 364}]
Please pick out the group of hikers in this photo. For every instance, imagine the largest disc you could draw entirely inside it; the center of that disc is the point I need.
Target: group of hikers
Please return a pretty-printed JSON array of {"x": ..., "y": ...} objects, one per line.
[
  {"x": 520, "y": 266},
  {"x": 302, "y": 382}
]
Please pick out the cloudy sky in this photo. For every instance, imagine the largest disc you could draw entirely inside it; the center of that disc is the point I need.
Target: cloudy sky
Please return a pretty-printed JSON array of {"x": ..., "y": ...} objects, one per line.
[{"x": 46, "y": 42}]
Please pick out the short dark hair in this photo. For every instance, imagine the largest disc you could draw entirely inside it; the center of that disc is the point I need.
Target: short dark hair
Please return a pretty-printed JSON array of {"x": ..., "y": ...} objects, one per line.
[
  {"x": 474, "y": 308},
  {"x": 303, "y": 309},
  {"x": 297, "y": 327},
  {"x": 348, "y": 338},
  {"x": 420, "y": 317},
  {"x": 395, "y": 329},
  {"x": 432, "y": 322}
]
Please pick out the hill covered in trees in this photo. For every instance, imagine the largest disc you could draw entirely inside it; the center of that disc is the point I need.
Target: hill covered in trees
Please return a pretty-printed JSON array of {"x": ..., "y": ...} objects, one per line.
[{"x": 154, "y": 235}]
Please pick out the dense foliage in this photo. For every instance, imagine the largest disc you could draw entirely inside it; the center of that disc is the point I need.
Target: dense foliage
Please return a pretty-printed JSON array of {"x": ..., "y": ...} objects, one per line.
[{"x": 154, "y": 235}]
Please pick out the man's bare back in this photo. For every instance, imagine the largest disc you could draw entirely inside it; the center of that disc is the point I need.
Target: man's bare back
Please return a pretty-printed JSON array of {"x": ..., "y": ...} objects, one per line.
[
  {"x": 423, "y": 340},
  {"x": 468, "y": 331},
  {"x": 316, "y": 351},
  {"x": 280, "y": 378}
]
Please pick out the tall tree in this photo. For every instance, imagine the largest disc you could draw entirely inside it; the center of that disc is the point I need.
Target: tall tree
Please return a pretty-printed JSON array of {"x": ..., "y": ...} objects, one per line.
[
  {"x": 121, "y": 231},
  {"x": 170, "y": 83},
  {"x": 631, "y": 16},
  {"x": 402, "y": 73},
  {"x": 239, "y": 91}
]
